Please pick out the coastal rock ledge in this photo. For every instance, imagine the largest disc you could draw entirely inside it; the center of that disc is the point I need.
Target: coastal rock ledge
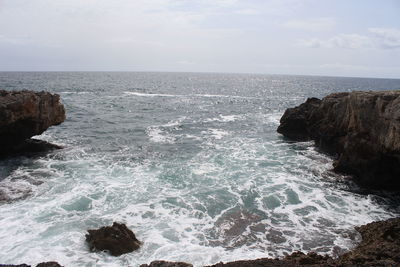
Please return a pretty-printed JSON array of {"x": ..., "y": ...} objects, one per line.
[
  {"x": 362, "y": 129},
  {"x": 24, "y": 114}
]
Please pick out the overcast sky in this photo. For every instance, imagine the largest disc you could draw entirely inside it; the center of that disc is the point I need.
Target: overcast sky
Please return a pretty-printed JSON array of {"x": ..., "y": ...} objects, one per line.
[{"x": 311, "y": 37}]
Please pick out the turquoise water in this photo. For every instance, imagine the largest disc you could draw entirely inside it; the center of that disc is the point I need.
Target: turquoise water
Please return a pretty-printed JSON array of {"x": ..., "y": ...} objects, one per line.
[{"x": 190, "y": 162}]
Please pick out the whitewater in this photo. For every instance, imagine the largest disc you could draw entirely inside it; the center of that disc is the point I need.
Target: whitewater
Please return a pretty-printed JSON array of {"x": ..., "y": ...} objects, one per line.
[{"x": 191, "y": 162}]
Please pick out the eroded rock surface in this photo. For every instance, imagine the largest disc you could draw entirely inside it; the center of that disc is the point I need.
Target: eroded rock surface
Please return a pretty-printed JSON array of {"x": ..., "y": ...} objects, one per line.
[
  {"x": 117, "y": 239},
  {"x": 24, "y": 114},
  {"x": 43, "y": 264},
  {"x": 361, "y": 128},
  {"x": 167, "y": 264},
  {"x": 380, "y": 246}
]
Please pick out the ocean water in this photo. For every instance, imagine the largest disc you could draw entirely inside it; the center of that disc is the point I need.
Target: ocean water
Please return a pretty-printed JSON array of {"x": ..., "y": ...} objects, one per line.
[{"x": 190, "y": 162}]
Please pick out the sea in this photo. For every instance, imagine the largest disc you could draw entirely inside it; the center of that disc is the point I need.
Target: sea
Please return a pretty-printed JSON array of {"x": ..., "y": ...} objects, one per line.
[{"x": 191, "y": 162}]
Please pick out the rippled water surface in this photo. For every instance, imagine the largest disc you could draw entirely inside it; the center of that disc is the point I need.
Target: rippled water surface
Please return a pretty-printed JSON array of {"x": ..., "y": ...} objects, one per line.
[{"x": 191, "y": 162}]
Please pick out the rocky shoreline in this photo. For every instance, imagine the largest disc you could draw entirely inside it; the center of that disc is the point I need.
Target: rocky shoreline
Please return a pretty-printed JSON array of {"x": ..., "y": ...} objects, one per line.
[
  {"x": 380, "y": 246},
  {"x": 24, "y": 114},
  {"x": 361, "y": 129}
]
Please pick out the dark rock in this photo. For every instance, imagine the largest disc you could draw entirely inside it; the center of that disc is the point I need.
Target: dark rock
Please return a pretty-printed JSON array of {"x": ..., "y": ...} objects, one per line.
[
  {"x": 43, "y": 264},
  {"x": 49, "y": 264},
  {"x": 117, "y": 239},
  {"x": 167, "y": 264},
  {"x": 31, "y": 146},
  {"x": 295, "y": 122},
  {"x": 24, "y": 114},
  {"x": 295, "y": 259},
  {"x": 361, "y": 128},
  {"x": 380, "y": 246}
]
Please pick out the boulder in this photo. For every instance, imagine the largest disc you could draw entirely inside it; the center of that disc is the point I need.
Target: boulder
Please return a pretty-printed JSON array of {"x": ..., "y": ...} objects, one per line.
[
  {"x": 117, "y": 239},
  {"x": 362, "y": 129},
  {"x": 24, "y": 114}
]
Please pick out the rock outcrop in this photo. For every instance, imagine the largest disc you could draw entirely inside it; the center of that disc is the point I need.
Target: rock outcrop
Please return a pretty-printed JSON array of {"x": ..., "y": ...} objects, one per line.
[
  {"x": 167, "y": 264},
  {"x": 117, "y": 239},
  {"x": 43, "y": 264},
  {"x": 24, "y": 114},
  {"x": 361, "y": 128},
  {"x": 380, "y": 246}
]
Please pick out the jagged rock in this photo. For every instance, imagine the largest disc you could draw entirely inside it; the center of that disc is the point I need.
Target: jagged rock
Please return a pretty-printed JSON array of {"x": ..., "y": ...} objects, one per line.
[
  {"x": 380, "y": 246},
  {"x": 361, "y": 128},
  {"x": 117, "y": 239},
  {"x": 24, "y": 114},
  {"x": 43, "y": 264},
  {"x": 167, "y": 264},
  {"x": 295, "y": 259},
  {"x": 49, "y": 264}
]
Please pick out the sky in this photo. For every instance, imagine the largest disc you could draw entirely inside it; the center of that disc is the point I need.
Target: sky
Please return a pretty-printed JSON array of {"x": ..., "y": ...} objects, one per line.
[{"x": 355, "y": 38}]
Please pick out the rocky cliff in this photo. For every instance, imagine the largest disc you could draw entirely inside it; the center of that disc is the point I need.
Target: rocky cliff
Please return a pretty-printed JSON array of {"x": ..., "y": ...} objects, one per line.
[
  {"x": 24, "y": 114},
  {"x": 362, "y": 129}
]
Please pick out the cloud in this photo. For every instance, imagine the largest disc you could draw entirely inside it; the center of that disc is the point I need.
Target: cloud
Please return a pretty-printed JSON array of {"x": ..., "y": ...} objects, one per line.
[
  {"x": 314, "y": 24},
  {"x": 350, "y": 41},
  {"x": 13, "y": 41},
  {"x": 386, "y": 37},
  {"x": 247, "y": 11},
  {"x": 377, "y": 38}
]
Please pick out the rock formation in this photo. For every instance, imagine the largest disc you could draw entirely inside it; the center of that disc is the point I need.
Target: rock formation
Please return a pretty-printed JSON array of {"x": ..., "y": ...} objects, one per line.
[
  {"x": 117, "y": 239},
  {"x": 361, "y": 128},
  {"x": 24, "y": 114},
  {"x": 43, "y": 264},
  {"x": 380, "y": 246},
  {"x": 167, "y": 264}
]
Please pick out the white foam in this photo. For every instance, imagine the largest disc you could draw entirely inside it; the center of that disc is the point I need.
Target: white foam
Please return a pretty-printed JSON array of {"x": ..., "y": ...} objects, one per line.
[
  {"x": 183, "y": 210},
  {"x": 224, "y": 118},
  {"x": 150, "y": 94},
  {"x": 189, "y": 95},
  {"x": 216, "y": 133},
  {"x": 223, "y": 96},
  {"x": 156, "y": 134}
]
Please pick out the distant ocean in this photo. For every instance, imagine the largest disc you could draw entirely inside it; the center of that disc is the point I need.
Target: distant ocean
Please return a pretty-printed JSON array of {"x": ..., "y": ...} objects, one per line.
[{"x": 191, "y": 162}]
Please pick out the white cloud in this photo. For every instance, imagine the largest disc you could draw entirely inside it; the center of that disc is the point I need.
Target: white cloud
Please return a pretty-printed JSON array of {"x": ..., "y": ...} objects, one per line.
[
  {"x": 386, "y": 37},
  {"x": 378, "y": 38},
  {"x": 314, "y": 24},
  {"x": 247, "y": 11},
  {"x": 350, "y": 41},
  {"x": 13, "y": 41}
]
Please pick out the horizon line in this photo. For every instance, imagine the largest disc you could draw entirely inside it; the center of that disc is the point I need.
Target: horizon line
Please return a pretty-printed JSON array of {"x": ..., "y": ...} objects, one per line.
[{"x": 207, "y": 72}]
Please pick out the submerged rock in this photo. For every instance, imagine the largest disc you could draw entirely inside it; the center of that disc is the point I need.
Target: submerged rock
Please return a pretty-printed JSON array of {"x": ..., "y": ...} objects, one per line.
[
  {"x": 361, "y": 128},
  {"x": 24, "y": 114},
  {"x": 117, "y": 239},
  {"x": 167, "y": 264}
]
